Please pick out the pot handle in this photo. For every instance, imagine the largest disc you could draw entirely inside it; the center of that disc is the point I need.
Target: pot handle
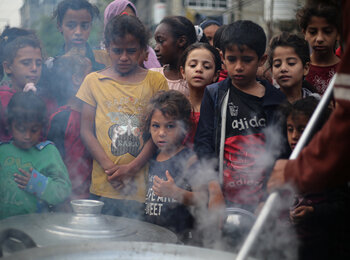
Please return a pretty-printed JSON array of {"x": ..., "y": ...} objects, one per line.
[{"x": 25, "y": 239}]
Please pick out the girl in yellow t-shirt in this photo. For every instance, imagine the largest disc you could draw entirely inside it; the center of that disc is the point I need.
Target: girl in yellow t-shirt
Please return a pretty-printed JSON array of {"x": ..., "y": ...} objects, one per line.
[{"x": 113, "y": 99}]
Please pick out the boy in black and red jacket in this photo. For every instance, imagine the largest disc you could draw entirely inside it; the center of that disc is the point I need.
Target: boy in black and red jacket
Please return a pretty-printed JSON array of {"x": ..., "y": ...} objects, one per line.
[{"x": 235, "y": 114}]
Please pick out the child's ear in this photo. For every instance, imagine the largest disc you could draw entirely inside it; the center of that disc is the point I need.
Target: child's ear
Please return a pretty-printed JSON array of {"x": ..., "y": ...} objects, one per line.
[
  {"x": 181, "y": 42},
  {"x": 262, "y": 60},
  {"x": 182, "y": 70},
  {"x": 306, "y": 68},
  {"x": 7, "y": 67}
]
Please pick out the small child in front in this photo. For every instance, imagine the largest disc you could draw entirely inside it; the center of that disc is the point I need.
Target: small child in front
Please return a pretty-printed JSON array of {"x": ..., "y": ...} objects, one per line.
[
  {"x": 235, "y": 113},
  {"x": 170, "y": 177},
  {"x": 113, "y": 99},
  {"x": 32, "y": 173}
]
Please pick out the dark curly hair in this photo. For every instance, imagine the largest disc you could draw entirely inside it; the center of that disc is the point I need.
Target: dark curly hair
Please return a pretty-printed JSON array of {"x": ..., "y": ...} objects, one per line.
[
  {"x": 300, "y": 46},
  {"x": 171, "y": 103},
  {"x": 326, "y": 9},
  {"x": 26, "y": 107},
  {"x": 63, "y": 6},
  {"x": 121, "y": 25}
]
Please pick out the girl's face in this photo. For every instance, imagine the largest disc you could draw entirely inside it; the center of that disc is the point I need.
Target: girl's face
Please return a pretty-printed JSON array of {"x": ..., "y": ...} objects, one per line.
[
  {"x": 295, "y": 127},
  {"x": 25, "y": 135},
  {"x": 166, "y": 132},
  {"x": 76, "y": 27},
  {"x": 25, "y": 68},
  {"x": 210, "y": 31},
  {"x": 321, "y": 35},
  {"x": 199, "y": 70},
  {"x": 125, "y": 54},
  {"x": 165, "y": 49},
  {"x": 287, "y": 68}
]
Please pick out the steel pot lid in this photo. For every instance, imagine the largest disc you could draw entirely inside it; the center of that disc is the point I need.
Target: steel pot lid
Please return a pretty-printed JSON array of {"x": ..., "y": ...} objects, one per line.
[
  {"x": 121, "y": 250},
  {"x": 84, "y": 225}
]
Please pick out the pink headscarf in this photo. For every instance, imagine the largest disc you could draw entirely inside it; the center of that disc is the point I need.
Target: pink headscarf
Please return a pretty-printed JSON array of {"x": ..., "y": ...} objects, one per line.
[{"x": 116, "y": 8}]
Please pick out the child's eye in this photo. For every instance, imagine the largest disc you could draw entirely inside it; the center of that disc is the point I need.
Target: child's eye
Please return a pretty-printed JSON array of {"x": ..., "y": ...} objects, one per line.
[
  {"x": 291, "y": 63},
  {"x": 26, "y": 62},
  {"x": 231, "y": 59},
  {"x": 276, "y": 65},
  {"x": 71, "y": 26},
  {"x": 247, "y": 59},
  {"x": 290, "y": 129},
  {"x": 117, "y": 51},
  {"x": 207, "y": 67},
  {"x": 155, "y": 125},
  {"x": 170, "y": 126},
  {"x": 312, "y": 31},
  {"x": 85, "y": 26},
  {"x": 39, "y": 63},
  {"x": 131, "y": 50}
]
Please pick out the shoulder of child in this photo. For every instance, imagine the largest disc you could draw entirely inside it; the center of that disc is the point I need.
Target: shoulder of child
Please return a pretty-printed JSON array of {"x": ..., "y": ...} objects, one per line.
[{"x": 42, "y": 145}]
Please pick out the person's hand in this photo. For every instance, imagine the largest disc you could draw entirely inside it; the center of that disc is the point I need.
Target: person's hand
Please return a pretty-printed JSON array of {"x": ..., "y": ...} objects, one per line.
[
  {"x": 22, "y": 179},
  {"x": 118, "y": 173},
  {"x": 164, "y": 188},
  {"x": 298, "y": 214},
  {"x": 216, "y": 204},
  {"x": 277, "y": 179}
]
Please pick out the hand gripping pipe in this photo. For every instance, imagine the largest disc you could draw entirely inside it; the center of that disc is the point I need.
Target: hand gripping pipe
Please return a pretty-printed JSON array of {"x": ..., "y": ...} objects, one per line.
[{"x": 275, "y": 196}]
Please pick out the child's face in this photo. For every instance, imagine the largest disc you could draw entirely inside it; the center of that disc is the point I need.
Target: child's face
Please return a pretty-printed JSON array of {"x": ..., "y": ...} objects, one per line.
[
  {"x": 287, "y": 68},
  {"x": 165, "y": 48},
  {"x": 25, "y": 68},
  {"x": 210, "y": 31},
  {"x": 199, "y": 68},
  {"x": 242, "y": 65},
  {"x": 125, "y": 54},
  {"x": 75, "y": 27},
  {"x": 295, "y": 127},
  {"x": 321, "y": 35},
  {"x": 165, "y": 132},
  {"x": 25, "y": 135}
]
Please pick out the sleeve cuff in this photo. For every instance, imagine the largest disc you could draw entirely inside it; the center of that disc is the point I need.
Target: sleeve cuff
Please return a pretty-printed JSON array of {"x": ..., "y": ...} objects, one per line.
[{"x": 37, "y": 183}]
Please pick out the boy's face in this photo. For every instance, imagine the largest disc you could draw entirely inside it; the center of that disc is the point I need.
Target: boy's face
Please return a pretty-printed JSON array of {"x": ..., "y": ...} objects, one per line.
[
  {"x": 295, "y": 127},
  {"x": 25, "y": 68},
  {"x": 25, "y": 135},
  {"x": 321, "y": 35},
  {"x": 75, "y": 27},
  {"x": 242, "y": 65}
]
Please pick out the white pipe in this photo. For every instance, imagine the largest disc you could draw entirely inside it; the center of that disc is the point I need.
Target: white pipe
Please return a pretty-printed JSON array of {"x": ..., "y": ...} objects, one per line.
[{"x": 275, "y": 196}]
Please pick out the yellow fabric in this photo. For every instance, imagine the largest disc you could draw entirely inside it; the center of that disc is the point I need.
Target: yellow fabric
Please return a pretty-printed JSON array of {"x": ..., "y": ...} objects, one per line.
[
  {"x": 101, "y": 56},
  {"x": 117, "y": 126}
]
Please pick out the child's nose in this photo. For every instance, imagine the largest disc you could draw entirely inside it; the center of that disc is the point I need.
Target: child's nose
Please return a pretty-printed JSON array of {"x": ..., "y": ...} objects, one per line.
[
  {"x": 319, "y": 37},
  {"x": 78, "y": 30}
]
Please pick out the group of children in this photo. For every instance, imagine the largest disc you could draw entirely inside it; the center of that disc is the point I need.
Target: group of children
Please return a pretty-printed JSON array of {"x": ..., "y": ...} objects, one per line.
[{"x": 112, "y": 114}]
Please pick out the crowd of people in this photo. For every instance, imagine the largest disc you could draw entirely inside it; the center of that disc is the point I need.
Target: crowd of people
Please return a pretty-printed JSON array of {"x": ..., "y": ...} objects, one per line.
[{"x": 175, "y": 134}]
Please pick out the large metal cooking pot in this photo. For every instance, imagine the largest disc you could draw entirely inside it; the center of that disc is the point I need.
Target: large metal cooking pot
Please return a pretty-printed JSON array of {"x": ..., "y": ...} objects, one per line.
[
  {"x": 85, "y": 225},
  {"x": 121, "y": 250}
]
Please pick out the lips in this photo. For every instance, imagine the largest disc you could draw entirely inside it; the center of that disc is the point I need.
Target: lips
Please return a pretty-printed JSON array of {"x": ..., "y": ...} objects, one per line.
[
  {"x": 78, "y": 41},
  {"x": 319, "y": 48},
  {"x": 238, "y": 77},
  {"x": 284, "y": 77}
]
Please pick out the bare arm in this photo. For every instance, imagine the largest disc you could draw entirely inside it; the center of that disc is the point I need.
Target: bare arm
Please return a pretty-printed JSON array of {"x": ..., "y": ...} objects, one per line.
[
  {"x": 87, "y": 132},
  {"x": 120, "y": 171}
]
